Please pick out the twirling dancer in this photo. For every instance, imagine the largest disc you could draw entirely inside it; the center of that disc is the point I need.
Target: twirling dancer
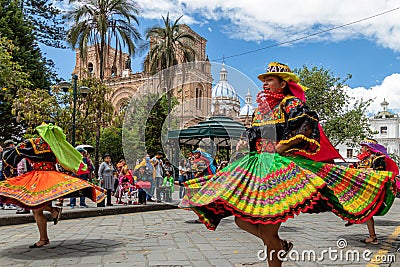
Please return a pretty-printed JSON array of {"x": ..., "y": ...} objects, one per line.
[
  {"x": 273, "y": 182},
  {"x": 37, "y": 188},
  {"x": 373, "y": 156}
]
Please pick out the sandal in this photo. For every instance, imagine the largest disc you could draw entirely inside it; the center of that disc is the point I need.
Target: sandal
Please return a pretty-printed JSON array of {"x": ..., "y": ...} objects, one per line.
[
  {"x": 371, "y": 240},
  {"x": 46, "y": 243},
  {"x": 348, "y": 224},
  {"x": 286, "y": 246},
  {"x": 58, "y": 217}
]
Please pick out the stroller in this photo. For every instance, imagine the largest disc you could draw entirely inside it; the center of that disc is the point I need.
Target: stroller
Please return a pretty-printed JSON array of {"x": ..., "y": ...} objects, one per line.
[{"x": 127, "y": 191}]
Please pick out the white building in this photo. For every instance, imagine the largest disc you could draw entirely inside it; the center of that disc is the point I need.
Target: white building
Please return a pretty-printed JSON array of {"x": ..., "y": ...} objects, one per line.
[
  {"x": 225, "y": 100},
  {"x": 386, "y": 126},
  {"x": 246, "y": 112}
]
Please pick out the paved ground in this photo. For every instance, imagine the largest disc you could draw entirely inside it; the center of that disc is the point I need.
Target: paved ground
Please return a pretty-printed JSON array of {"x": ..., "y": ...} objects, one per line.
[{"x": 164, "y": 238}]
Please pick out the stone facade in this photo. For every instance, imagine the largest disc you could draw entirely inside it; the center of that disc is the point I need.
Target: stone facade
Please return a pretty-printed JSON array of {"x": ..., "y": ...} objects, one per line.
[{"x": 192, "y": 89}]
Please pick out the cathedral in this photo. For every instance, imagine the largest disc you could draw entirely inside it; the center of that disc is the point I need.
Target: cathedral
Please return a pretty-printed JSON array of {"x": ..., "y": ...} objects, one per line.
[{"x": 198, "y": 99}]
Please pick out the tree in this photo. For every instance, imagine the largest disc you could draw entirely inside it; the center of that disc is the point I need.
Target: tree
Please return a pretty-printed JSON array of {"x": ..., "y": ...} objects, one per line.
[
  {"x": 326, "y": 94},
  {"x": 143, "y": 126},
  {"x": 11, "y": 79},
  {"x": 37, "y": 106},
  {"x": 46, "y": 20},
  {"x": 20, "y": 31},
  {"x": 111, "y": 142},
  {"x": 100, "y": 23},
  {"x": 169, "y": 45}
]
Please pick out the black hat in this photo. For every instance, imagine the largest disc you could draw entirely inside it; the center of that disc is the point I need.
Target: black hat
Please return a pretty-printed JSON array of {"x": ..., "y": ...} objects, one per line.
[
  {"x": 9, "y": 142},
  {"x": 106, "y": 155}
]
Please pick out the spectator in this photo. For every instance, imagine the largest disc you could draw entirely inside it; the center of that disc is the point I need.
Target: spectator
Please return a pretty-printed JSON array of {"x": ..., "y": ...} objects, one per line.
[
  {"x": 168, "y": 167},
  {"x": 142, "y": 178},
  {"x": 151, "y": 176},
  {"x": 159, "y": 171},
  {"x": 106, "y": 176},
  {"x": 23, "y": 167},
  {"x": 120, "y": 165},
  {"x": 7, "y": 170},
  {"x": 168, "y": 186},
  {"x": 183, "y": 176},
  {"x": 85, "y": 177}
]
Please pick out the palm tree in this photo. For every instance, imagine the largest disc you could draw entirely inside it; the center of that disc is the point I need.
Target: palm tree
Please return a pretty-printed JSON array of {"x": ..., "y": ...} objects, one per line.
[
  {"x": 101, "y": 22},
  {"x": 169, "y": 45}
]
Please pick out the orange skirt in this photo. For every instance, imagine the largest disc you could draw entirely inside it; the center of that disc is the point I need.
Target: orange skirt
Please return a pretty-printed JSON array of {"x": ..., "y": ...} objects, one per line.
[{"x": 36, "y": 188}]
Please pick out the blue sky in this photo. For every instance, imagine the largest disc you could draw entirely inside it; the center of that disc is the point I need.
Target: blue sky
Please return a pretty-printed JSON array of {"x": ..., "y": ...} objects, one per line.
[{"x": 368, "y": 50}]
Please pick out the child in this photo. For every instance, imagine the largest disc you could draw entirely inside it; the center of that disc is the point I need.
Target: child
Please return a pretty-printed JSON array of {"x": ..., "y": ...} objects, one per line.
[{"x": 168, "y": 186}]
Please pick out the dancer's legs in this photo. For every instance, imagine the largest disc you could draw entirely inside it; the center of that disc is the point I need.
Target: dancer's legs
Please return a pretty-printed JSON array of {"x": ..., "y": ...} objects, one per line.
[
  {"x": 269, "y": 235},
  {"x": 247, "y": 226},
  {"x": 41, "y": 223},
  {"x": 371, "y": 227}
]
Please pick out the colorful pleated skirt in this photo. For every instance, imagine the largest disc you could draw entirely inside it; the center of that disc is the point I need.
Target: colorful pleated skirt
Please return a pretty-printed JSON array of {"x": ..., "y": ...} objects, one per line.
[
  {"x": 268, "y": 188},
  {"x": 37, "y": 188}
]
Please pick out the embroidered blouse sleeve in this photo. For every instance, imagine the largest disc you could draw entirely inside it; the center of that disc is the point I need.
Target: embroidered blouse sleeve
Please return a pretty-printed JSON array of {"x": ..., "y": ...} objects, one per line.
[{"x": 302, "y": 123}]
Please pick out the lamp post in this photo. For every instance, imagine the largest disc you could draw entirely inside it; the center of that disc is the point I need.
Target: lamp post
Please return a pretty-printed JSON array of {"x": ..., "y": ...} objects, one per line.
[{"x": 84, "y": 90}]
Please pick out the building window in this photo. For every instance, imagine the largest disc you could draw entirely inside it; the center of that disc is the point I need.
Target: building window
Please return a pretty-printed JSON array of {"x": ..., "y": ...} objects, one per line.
[
  {"x": 113, "y": 72},
  {"x": 349, "y": 153},
  {"x": 123, "y": 107},
  {"x": 90, "y": 67},
  {"x": 383, "y": 129},
  {"x": 199, "y": 95}
]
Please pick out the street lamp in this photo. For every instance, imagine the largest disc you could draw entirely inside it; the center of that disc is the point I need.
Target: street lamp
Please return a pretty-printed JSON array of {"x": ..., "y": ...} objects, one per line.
[{"x": 83, "y": 90}]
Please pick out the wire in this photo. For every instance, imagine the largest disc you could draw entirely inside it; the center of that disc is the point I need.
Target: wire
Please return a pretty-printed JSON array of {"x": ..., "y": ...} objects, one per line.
[{"x": 308, "y": 36}]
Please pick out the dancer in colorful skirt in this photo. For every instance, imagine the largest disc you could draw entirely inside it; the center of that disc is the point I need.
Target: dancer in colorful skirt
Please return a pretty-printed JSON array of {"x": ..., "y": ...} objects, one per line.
[
  {"x": 373, "y": 156},
  {"x": 279, "y": 177},
  {"x": 37, "y": 188}
]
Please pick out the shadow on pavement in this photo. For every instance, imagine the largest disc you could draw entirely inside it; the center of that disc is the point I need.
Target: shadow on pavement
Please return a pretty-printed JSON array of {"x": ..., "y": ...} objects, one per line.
[
  {"x": 63, "y": 249},
  {"x": 379, "y": 222}
]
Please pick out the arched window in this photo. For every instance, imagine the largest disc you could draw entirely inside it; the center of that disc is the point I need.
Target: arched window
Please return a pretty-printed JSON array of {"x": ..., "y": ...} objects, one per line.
[
  {"x": 113, "y": 71},
  {"x": 90, "y": 68},
  {"x": 123, "y": 106},
  {"x": 199, "y": 95}
]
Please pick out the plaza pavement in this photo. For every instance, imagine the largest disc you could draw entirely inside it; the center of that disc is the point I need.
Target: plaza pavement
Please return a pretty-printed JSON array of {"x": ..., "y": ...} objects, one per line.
[{"x": 167, "y": 238}]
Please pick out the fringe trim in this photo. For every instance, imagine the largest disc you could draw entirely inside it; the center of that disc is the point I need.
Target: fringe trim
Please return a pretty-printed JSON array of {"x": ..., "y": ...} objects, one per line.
[{"x": 302, "y": 136}]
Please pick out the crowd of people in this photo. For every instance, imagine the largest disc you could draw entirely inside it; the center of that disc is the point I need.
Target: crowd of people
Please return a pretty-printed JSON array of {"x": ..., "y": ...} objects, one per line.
[{"x": 152, "y": 179}]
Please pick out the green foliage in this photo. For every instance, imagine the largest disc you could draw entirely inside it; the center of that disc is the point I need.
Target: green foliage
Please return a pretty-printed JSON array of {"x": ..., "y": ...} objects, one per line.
[
  {"x": 46, "y": 20},
  {"x": 144, "y": 125},
  {"x": 395, "y": 157},
  {"x": 100, "y": 23},
  {"x": 20, "y": 31},
  {"x": 326, "y": 94},
  {"x": 169, "y": 46},
  {"x": 92, "y": 111},
  {"x": 11, "y": 79},
  {"x": 111, "y": 142}
]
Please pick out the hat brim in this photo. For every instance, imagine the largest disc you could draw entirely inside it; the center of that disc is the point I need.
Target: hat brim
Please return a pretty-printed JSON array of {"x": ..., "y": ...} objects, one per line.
[
  {"x": 287, "y": 76},
  {"x": 376, "y": 148}
]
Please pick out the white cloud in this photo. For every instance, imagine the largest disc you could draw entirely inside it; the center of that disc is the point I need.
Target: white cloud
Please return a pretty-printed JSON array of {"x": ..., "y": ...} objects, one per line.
[
  {"x": 389, "y": 90},
  {"x": 256, "y": 20}
]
